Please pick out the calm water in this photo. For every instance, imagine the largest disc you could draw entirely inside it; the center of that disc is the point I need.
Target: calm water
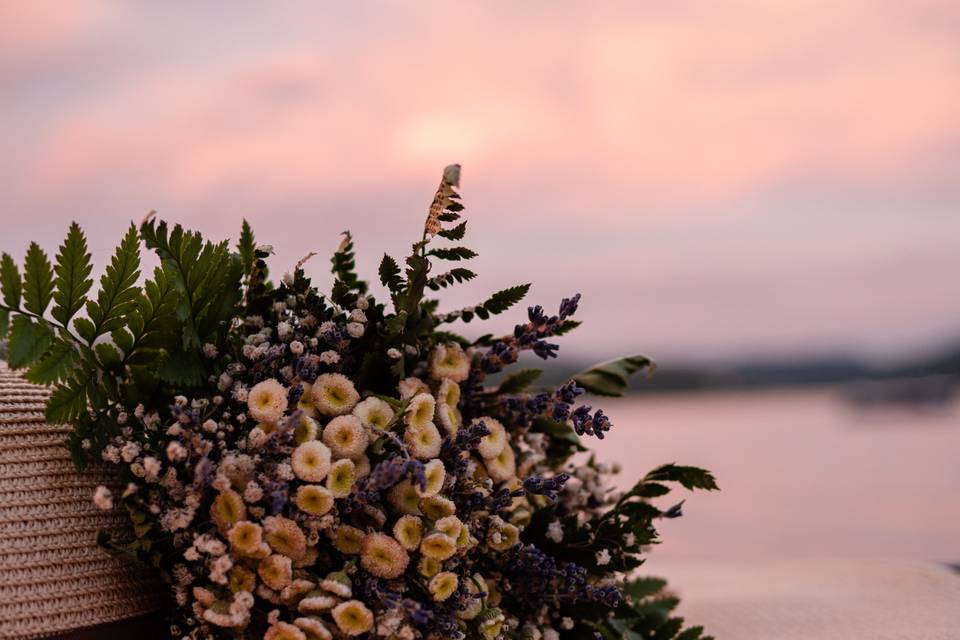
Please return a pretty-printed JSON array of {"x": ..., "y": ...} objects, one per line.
[{"x": 803, "y": 475}]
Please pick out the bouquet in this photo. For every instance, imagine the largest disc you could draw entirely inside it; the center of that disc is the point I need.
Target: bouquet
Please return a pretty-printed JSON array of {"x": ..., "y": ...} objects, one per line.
[{"x": 306, "y": 467}]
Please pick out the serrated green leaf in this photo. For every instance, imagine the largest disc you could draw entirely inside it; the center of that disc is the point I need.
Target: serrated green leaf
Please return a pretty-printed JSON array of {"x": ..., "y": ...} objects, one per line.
[
  {"x": 344, "y": 268},
  {"x": 37, "y": 280},
  {"x": 443, "y": 280},
  {"x": 73, "y": 281},
  {"x": 123, "y": 339},
  {"x": 689, "y": 477},
  {"x": 611, "y": 378},
  {"x": 4, "y": 323},
  {"x": 456, "y": 233},
  {"x": 28, "y": 342},
  {"x": 182, "y": 369},
  {"x": 55, "y": 365},
  {"x": 566, "y": 327},
  {"x": 693, "y": 633},
  {"x": 390, "y": 274},
  {"x": 503, "y": 300},
  {"x": 108, "y": 355},
  {"x": 453, "y": 253},
  {"x": 118, "y": 290},
  {"x": 85, "y": 329},
  {"x": 644, "y": 587},
  {"x": 10, "y": 281},
  {"x": 67, "y": 402},
  {"x": 247, "y": 247},
  {"x": 206, "y": 276},
  {"x": 519, "y": 381}
]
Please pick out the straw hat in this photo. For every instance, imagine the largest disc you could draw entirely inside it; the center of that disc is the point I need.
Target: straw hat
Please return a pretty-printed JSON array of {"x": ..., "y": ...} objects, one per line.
[{"x": 53, "y": 577}]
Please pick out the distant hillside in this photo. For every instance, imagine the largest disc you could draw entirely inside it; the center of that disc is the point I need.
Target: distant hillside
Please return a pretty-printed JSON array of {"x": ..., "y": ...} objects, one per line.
[{"x": 774, "y": 372}]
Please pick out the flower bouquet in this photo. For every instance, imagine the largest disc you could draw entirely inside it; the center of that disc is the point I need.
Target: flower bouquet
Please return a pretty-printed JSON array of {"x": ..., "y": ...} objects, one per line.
[{"x": 305, "y": 467}]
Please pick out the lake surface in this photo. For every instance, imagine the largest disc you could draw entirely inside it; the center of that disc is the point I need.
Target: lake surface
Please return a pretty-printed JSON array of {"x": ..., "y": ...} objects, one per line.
[{"x": 803, "y": 475}]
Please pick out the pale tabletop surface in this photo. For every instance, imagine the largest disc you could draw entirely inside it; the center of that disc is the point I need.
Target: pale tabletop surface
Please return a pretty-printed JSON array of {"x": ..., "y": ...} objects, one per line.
[{"x": 819, "y": 599}]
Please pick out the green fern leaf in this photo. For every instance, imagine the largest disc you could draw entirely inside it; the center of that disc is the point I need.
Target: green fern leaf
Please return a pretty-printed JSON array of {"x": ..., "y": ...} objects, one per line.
[
  {"x": 344, "y": 266},
  {"x": 390, "y": 274},
  {"x": 73, "y": 275},
  {"x": 446, "y": 279},
  {"x": 206, "y": 275},
  {"x": 690, "y": 477},
  {"x": 29, "y": 340},
  {"x": 118, "y": 290},
  {"x": 503, "y": 300},
  {"x": 37, "y": 280},
  {"x": 55, "y": 365},
  {"x": 69, "y": 400},
  {"x": 456, "y": 233},
  {"x": 10, "y": 282},
  {"x": 247, "y": 246},
  {"x": 453, "y": 253}
]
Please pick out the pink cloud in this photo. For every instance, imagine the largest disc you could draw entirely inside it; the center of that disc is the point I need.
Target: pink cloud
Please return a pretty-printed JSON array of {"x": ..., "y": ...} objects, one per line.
[{"x": 678, "y": 106}]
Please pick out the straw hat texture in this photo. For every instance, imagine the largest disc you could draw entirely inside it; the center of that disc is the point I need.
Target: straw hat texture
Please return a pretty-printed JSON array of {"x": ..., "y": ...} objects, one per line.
[{"x": 54, "y": 579}]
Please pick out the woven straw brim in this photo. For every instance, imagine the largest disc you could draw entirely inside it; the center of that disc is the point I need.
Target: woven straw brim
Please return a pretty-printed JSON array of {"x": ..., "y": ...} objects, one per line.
[{"x": 53, "y": 576}]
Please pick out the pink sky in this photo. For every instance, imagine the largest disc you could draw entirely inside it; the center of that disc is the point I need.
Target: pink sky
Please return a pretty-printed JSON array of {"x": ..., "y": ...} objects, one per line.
[{"x": 718, "y": 179}]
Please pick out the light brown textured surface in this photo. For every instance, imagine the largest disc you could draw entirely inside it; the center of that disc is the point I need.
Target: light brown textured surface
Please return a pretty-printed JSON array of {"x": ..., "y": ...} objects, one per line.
[
  {"x": 819, "y": 599},
  {"x": 53, "y": 576}
]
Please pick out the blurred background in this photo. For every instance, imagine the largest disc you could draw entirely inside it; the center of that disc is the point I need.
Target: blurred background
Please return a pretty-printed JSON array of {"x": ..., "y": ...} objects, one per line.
[{"x": 761, "y": 195}]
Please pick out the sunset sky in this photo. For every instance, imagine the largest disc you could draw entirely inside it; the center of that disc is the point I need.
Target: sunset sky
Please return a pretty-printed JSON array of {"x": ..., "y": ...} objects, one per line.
[{"x": 719, "y": 179}]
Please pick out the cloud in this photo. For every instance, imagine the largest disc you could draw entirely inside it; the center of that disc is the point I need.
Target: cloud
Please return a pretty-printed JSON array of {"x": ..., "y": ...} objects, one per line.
[{"x": 579, "y": 125}]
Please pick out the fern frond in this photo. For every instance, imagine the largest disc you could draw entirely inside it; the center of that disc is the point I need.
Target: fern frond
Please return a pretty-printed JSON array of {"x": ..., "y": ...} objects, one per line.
[
  {"x": 10, "y": 282},
  {"x": 443, "y": 280},
  {"x": 29, "y": 340},
  {"x": 453, "y": 253},
  {"x": 118, "y": 290},
  {"x": 344, "y": 269},
  {"x": 55, "y": 365},
  {"x": 37, "y": 280},
  {"x": 247, "y": 247},
  {"x": 73, "y": 281}
]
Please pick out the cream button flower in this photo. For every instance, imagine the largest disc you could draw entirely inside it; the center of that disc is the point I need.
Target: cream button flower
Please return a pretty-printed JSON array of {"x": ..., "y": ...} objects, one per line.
[
  {"x": 408, "y": 531},
  {"x": 420, "y": 410},
  {"x": 314, "y": 628},
  {"x": 227, "y": 509},
  {"x": 245, "y": 537},
  {"x": 374, "y": 413},
  {"x": 436, "y": 507},
  {"x": 267, "y": 401},
  {"x": 284, "y": 631},
  {"x": 443, "y": 585},
  {"x": 438, "y": 546},
  {"x": 314, "y": 499},
  {"x": 493, "y": 443},
  {"x": 306, "y": 430},
  {"x": 333, "y": 394},
  {"x": 341, "y": 478},
  {"x": 285, "y": 537},
  {"x": 503, "y": 467},
  {"x": 353, "y": 617},
  {"x": 424, "y": 441},
  {"x": 449, "y": 361},
  {"x": 435, "y": 474},
  {"x": 346, "y": 437},
  {"x": 311, "y": 461},
  {"x": 347, "y": 539},
  {"x": 383, "y": 556},
  {"x": 404, "y": 497},
  {"x": 276, "y": 571}
]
